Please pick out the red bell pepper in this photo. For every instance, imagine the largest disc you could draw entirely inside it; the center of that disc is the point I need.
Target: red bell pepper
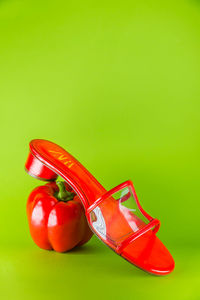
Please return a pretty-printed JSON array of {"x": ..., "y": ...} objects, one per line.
[{"x": 56, "y": 217}]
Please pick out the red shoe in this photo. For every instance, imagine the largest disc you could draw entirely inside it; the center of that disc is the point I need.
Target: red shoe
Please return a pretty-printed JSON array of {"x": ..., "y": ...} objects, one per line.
[{"x": 116, "y": 216}]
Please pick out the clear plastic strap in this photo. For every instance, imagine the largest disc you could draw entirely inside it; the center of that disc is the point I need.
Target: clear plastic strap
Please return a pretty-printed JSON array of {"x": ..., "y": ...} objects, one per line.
[{"x": 154, "y": 223}]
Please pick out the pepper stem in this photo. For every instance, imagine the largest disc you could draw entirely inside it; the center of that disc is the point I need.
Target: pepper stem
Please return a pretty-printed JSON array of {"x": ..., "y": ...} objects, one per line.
[{"x": 63, "y": 194}]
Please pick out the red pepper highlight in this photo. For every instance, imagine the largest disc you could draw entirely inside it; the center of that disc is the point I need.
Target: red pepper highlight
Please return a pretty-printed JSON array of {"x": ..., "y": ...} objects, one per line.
[{"x": 56, "y": 217}]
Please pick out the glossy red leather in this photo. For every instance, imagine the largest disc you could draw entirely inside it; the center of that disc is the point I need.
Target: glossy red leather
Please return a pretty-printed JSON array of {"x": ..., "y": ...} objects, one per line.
[{"x": 142, "y": 248}]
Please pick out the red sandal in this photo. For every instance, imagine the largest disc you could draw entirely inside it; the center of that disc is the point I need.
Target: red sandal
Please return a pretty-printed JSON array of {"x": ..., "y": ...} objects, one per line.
[{"x": 116, "y": 216}]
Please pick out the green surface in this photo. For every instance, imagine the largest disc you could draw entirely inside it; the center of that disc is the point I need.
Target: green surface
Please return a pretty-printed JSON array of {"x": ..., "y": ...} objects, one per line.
[{"x": 116, "y": 83}]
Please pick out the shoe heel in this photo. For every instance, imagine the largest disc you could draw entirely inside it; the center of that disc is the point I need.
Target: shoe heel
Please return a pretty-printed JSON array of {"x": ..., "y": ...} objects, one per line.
[{"x": 36, "y": 169}]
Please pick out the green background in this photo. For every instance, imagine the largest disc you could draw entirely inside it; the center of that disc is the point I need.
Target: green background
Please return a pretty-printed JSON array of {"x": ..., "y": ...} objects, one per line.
[{"x": 116, "y": 83}]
